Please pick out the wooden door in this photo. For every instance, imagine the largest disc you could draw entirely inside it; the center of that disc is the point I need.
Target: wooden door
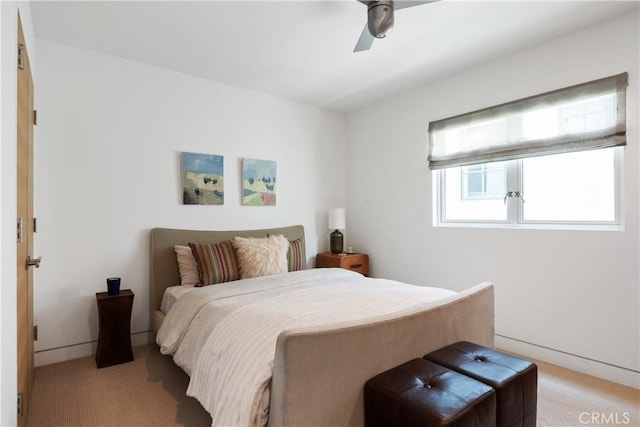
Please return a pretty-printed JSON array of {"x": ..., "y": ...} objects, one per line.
[{"x": 25, "y": 229}]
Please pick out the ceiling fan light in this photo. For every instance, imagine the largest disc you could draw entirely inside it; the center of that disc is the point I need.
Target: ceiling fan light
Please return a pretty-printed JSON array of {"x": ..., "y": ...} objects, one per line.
[{"x": 380, "y": 19}]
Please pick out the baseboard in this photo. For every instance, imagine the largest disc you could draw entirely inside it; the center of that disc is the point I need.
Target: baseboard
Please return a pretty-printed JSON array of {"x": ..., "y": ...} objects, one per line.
[
  {"x": 587, "y": 366},
  {"x": 76, "y": 351}
]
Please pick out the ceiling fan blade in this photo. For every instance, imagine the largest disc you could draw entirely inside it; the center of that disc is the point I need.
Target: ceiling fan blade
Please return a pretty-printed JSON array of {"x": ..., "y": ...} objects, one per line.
[
  {"x": 365, "y": 41},
  {"x": 403, "y": 4}
]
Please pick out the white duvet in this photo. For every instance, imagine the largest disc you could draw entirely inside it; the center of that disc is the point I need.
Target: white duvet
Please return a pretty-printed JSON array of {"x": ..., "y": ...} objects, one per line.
[{"x": 224, "y": 336}]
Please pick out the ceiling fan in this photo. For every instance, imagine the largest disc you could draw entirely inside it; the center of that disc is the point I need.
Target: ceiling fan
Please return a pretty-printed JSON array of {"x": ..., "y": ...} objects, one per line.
[{"x": 380, "y": 19}]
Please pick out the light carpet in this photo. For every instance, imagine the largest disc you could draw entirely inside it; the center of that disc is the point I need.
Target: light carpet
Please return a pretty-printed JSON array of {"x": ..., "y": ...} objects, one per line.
[{"x": 150, "y": 391}]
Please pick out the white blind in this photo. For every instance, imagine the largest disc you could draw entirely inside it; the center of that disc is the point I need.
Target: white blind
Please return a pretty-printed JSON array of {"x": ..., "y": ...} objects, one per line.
[{"x": 582, "y": 117}]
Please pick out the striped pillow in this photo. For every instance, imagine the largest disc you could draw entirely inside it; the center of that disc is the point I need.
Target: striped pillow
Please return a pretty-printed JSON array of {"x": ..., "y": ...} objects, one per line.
[
  {"x": 217, "y": 262},
  {"x": 295, "y": 257}
]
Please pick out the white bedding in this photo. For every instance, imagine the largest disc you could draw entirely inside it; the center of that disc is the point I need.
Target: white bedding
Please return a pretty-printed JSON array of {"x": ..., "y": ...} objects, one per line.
[
  {"x": 224, "y": 336},
  {"x": 172, "y": 294}
]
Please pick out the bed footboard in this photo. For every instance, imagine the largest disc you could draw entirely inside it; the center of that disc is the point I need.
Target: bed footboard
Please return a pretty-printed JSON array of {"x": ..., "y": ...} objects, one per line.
[{"x": 319, "y": 374}]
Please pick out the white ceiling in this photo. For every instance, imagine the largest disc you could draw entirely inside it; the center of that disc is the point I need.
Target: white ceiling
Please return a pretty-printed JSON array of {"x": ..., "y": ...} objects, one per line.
[{"x": 302, "y": 50}]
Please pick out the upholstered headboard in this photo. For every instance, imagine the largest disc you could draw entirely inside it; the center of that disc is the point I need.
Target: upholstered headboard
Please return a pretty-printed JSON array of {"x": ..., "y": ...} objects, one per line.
[{"x": 164, "y": 267}]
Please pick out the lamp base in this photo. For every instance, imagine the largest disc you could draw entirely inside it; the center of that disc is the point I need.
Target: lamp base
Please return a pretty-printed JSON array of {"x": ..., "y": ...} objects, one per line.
[{"x": 335, "y": 242}]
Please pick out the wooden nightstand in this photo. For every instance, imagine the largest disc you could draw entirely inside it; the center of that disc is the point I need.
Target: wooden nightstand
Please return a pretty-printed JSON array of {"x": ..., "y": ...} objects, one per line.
[
  {"x": 114, "y": 338},
  {"x": 353, "y": 262}
]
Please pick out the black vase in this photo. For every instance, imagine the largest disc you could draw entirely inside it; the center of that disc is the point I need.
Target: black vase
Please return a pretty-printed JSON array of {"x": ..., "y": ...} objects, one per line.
[{"x": 335, "y": 242}]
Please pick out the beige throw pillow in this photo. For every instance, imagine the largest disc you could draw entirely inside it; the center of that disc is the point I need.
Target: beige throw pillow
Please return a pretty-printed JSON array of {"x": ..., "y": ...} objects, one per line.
[
  {"x": 261, "y": 256},
  {"x": 187, "y": 265}
]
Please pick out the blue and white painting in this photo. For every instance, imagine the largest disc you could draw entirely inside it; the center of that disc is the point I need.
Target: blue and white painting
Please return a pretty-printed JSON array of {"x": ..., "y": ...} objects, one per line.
[
  {"x": 202, "y": 179},
  {"x": 258, "y": 182}
]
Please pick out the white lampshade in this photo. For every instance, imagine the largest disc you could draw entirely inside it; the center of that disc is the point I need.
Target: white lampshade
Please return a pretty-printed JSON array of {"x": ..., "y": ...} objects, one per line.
[{"x": 336, "y": 219}]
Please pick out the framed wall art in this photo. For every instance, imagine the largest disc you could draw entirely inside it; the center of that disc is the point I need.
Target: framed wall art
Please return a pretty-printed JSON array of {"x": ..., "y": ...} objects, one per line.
[
  {"x": 202, "y": 179},
  {"x": 258, "y": 182}
]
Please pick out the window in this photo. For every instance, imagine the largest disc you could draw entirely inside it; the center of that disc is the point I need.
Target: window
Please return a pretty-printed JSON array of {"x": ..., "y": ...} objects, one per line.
[
  {"x": 573, "y": 188},
  {"x": 553, "y": 159},
  {"x": 460, "y": 206},
  {"x": 577, "y": 187},
  {"x": 484, "y": 181}
]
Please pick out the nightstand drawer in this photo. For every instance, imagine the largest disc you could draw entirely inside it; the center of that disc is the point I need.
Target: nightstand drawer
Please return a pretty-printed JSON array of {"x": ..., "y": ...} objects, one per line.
[{"x": 353, "y": 262}]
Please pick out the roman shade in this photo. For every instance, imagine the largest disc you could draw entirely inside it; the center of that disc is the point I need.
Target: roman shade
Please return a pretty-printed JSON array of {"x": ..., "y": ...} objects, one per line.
[{"x": 581, "y": 117}]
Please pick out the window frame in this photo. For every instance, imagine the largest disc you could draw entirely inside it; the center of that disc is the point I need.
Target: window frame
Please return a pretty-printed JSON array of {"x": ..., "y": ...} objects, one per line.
[{"x": 515, "y": 212}]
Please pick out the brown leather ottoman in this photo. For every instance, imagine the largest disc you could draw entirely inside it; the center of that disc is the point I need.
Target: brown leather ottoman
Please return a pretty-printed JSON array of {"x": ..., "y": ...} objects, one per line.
[
  {"x": 515, "y": 380},
  {"x": 421, "y": 393}
]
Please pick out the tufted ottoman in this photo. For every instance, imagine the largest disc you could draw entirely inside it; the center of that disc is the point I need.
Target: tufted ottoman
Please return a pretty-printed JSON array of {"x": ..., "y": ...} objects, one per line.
[
  {"x": 515, "y": 380},
  {"x": 421, "y": 393}
]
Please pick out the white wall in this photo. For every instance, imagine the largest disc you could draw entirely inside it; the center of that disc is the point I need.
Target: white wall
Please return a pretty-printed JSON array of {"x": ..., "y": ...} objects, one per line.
[
  {"x": 107, "y": 170},
  {"x": 574, "y": 292}
]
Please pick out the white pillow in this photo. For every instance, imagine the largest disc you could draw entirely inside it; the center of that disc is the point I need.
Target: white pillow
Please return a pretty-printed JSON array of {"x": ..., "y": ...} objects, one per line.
[
  {"x": 262, "y": 256},
  {"x": 187, "y": 265}
]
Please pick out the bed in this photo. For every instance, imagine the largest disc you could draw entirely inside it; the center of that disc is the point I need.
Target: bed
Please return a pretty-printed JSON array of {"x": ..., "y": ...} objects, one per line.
[{"x": 316, "y": 371}]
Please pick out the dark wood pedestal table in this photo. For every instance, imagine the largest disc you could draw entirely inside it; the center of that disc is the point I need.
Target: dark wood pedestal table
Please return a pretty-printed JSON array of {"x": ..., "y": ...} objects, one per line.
[{"x": 114, "y": 338}]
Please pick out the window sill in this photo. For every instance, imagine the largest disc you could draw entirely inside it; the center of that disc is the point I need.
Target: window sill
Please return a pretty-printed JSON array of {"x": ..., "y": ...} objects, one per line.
[{"x": 532, "y": 226}]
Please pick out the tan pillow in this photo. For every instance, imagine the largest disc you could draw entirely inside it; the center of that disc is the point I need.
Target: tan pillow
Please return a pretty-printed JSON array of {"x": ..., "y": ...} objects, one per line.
[
  {"x": 187, "y": 265},
  {"x": 261, "y": 256}
]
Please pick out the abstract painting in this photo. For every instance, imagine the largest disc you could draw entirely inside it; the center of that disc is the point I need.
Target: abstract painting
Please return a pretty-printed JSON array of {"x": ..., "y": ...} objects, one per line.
[
  {"x": 258, "y": 182},
  {"x": 202, "y": 179}
]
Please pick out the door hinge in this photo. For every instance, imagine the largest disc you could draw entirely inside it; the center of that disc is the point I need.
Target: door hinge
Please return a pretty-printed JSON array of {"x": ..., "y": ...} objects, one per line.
[
  {"x": 35, "y": 117},
  {"x": 35, "y": 225},
  {"x": 35, "y": 332},
  {"x": 20, "y": 405},
  {"x": 20, "y": 56},
  {"x": 19, "y": 230}
]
